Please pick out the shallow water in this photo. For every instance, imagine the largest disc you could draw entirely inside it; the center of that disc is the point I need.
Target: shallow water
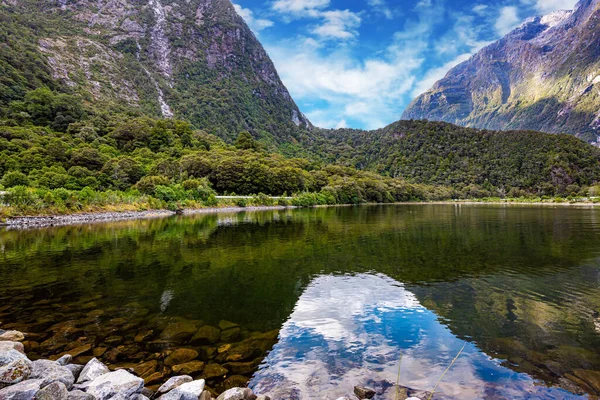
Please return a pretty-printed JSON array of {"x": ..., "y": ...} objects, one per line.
[{"x": 332, "y": 297}]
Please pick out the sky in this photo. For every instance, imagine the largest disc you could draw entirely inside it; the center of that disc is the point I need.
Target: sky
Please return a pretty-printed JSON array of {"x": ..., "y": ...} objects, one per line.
[{"x": 359, "y": 63}]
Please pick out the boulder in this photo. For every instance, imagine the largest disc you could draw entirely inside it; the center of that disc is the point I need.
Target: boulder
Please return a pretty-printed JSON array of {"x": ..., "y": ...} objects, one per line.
[
  {"x": 224, "y": 325},
  {"x": 75, "y": 370},
  {"x": 54, "y": 391},
  {"x": 137, "y": 397},
  {"x": 205, "y": 396},
  {"x": 146, "y": 368},
  {"x": 79, "y": 395},
  {"x": 206, "y": 335},
  {"x": 230, "y": 335},
  {"x": 156, "y": 377},
  {"x": 186, "y": 391},
  {"x": 364, "y": 392},
  {"x": 25, "y": 390},
  {"x": 7, "y": 345},
  {"x": 179, "y": 331},
  {"x": 190, "y": 368},
  {"x": 51, "y": 371},
  {"x": 213, "y": 371},
  {"x": 65, "y": 359},
  {"x": 118, "y": 382},
  {"x": 92, "y": 370},
  {"x": 263, "y": 397},
  {"x": 237, "y": 394},
  {"x": 10, "y": 355},
  {"x": 174, "y": 382},
  {"x": 15, "y": 372},
  {"x": 13, "y": 336},
  {"x": 180, "y": 356}
]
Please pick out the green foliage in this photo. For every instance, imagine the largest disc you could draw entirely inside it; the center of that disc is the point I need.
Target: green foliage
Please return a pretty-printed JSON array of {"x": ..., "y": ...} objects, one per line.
[
  {"x": 14, "y": 178},
  {"x": 245, "y": 141}
]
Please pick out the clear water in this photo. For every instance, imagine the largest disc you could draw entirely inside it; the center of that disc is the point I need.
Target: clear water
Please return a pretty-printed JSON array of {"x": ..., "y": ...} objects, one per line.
[{"x": 332, "y": 297}]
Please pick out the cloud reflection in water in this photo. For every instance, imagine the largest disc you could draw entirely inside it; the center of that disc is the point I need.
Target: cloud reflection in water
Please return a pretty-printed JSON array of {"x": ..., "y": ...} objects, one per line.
[{"x": 350, "y": 330}]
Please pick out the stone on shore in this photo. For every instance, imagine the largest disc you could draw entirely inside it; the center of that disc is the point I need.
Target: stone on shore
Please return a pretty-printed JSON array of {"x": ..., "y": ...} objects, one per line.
[
  {"x": 7, "y": 345},
  {"x": 237, "y": 394},
  {"x": 8, "y": 354},
  {"x": 75, "y": 370},
  {"x": 114, "y": 383},
  {"x": 51, "y": 371},
  {"x": 12, "y": 336},
  {"x": 54, "y": 391},
  {"x": 364, "y": 392},
  {"x": 186, "y": 391},
  {"x": 15, "y": 372},
  {"x": 79, "y": 395},
  {"x": 174, "y": 382},
  {"x": 25, "y": 390},
  {"x": 64, "y": 360},
  {"x": 92, "y": 370}
]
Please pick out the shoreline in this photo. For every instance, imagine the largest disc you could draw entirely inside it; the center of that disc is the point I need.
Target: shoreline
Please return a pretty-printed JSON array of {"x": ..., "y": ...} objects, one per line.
[{"x": 39, "y": 221}]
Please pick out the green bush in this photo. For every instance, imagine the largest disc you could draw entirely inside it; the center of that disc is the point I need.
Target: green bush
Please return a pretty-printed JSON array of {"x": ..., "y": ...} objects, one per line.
[{"x": 14, "y": 178}]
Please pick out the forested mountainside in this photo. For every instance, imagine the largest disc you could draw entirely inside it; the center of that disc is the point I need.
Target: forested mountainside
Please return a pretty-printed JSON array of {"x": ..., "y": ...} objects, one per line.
[
  {"x": 196, "y": 60},
  {"x": 480, "y": 162},
  {"x": 545, "y": 76}
]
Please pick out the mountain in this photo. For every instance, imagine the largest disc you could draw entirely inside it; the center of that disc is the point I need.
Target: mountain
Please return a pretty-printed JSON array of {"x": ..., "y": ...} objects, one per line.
[
  {"x": 477, "y": 163},
  {"x": 544, "y": 75},
  {"x": 193, "y": 59}
]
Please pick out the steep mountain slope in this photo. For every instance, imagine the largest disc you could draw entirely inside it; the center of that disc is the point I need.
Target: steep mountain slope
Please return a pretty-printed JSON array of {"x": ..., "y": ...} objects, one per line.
[
  {"x": 475, "y": 162},
  {"x": 545, "y": 75},
  {"x": 193, "y": 59}
]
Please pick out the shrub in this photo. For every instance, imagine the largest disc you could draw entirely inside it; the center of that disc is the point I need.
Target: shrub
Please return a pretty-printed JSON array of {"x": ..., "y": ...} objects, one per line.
[
  {"x": 14, "y": 178},
  {"x": 148, "y": 184}
]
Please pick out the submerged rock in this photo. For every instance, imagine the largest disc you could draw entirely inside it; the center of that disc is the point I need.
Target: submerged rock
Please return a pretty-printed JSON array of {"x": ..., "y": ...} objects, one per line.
[
  {"x": 192, "y": 367},
  {"x": 180, "y": 356},
  {"x": 179, "y": 331},
  {"x": 206, "y": 335},
  {"x": 364, "y": 392},
  {"x": 213, "y": 371}
]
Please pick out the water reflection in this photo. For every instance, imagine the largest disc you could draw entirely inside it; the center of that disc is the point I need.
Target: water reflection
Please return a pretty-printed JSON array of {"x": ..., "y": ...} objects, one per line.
[{"x": 354, "y": 329}]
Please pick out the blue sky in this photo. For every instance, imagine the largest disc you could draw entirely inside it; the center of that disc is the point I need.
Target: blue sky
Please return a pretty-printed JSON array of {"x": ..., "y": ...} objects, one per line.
[{"x": 359, "y": 63}]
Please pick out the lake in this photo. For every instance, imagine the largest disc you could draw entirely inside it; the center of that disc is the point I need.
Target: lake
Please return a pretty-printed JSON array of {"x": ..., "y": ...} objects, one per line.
[{"x": 306, "y": 304}]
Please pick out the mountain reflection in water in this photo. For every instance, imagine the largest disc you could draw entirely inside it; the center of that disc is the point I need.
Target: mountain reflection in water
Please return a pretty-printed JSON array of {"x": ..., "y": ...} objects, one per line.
[{"x": 353, "y": 330}]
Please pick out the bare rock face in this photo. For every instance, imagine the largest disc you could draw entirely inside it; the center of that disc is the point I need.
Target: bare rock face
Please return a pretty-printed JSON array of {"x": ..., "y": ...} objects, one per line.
[
  {"x": 193, "y": 59},
  {"x": 545, "y": 75}
]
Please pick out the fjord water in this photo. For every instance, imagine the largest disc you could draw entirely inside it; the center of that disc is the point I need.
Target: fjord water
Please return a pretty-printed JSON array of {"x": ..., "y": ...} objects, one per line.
[{"x": 333, "y": 297}]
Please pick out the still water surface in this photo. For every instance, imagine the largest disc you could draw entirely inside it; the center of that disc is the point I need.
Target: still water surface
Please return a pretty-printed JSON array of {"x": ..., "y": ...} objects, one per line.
[{"x": 308, "y": 303}]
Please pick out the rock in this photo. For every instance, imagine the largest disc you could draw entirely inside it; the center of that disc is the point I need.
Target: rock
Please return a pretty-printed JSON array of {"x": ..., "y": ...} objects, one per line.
[
  {"x": 15, "y": 372},
  {"x": 143, "y": 336},
  {"x": 30, "y": 345},
  {"x": 12, "y": 336},
  {"x": 242, "y": 368},
  {"x": 192, "y": 367},
  {"x": 230, "y": 335},
  {"x": 9, "y": 345},
  {"x": 79, "y": 395},
  {"x": 54, "y": 391},
  {"x": 237, "y": 394},
  {"x": 64, "y": 360},
  {"x": 137, "y": 397},
  {"x": 119, "y": 382},
  {"x": 224, "y": 325},
  {"x": 263, "y": 397},
  {"x": 77, "y": 351},
  {"x": 181, "y": 356},
  {"x": 92, "y": 370},
  {"x": 146, "y": 368},
  {"x": 205, "y": 396},
  {"x": 186, "y": 391},
  {"x": 179, "y": 331},
  {"x": 234, "y": 381},
  {"x": 592, "y": 378},
  {"x": 154, "y": 378},
  {"x": 364, "y": 392},
  {"x": 213, "y": 370},
  {"x": 75, "y": 370},
  {"x": 113, "y": 340},
  {"x": 147, "y": 392},
  {"x": 50, "y": 371},
  {"x": 206, "y": 335},
  {"x": 99, "y": 351},
  {"x": 174, "y": 382},
  {"x": 25, "y": 390}
]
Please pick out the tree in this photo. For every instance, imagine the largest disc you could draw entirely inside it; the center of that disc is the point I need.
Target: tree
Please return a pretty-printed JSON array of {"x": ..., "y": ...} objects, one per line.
[{"x": 245, "y": 141}]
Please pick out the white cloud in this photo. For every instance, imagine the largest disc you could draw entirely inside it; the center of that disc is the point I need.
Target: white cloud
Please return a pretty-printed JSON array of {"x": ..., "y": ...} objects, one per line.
[
  {"x": 547, "y": 6},
  {"x": 480, "y": 9},
  {"x": 507, "y": 20},
  {"x": 256, "y": 24},
  {"x": 381, "y": 7},
  {"x": 307, "y": 7},
  {"x": 338, "y": 24}
]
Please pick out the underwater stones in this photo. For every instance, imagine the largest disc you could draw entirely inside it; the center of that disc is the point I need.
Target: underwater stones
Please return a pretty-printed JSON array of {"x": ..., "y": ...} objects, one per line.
[
  {"x": 206, "y": 335},
  {"x": 15, "y": 372},
  {"x": 230, "y": 335},
  {"x": 245, "y": 350},
  {"x": 174, "y": 382},
  {"x": 186, "y": 391},
  {"x": 92, "y": 370},
  {"x": 146, "y": 368},
  {"x": 54, "y": 391},
  {"x": 99, "y": 351},
  {"x": 224, "y": 325},
  {"x": 156, "y": 377},
  {"x": 50, "y": 371},
  {"x": 192, "y": 367},
  {"x": 237, "y": 394},
  {"x": 242, "y": 368},
  {"x": 113, "y": 340},
  {"x": 12, "y": 336},
  {"x": 117, "y": 382},
  {"x": 233, "y": 382},
  {"x": 180, "y": 356},
  {"x": 364, "y": 392},
  {"x": 179, "y": 331},
  {"x": 213, "y": 371},
  {"x": 143, "y": 336},
  {"x": 25, "y": 390}
]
